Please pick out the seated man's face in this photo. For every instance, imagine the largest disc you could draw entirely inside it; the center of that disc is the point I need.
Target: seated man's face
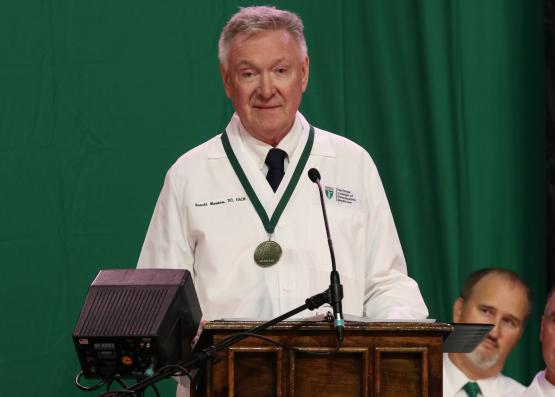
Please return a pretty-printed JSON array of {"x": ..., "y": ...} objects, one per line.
[
  {"x": 547, "y": 337},
  {"x": 499, "y": 301}
]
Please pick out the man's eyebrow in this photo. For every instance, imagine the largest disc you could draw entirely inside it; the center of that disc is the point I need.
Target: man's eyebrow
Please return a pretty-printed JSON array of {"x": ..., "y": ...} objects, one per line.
[
  {"x": 244, "y": 62},
  {"x": 484, "y": 306},
  {"x": 280, "y": 60}
]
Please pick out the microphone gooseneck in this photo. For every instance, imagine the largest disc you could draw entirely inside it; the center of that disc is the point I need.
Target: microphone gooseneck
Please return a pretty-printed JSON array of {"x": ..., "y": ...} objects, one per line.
[{"x": 336, "y": 289}]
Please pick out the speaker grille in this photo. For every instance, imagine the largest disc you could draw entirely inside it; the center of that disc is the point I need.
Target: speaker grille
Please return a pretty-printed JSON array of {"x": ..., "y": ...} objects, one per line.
[{"x": 125, "y": 311}]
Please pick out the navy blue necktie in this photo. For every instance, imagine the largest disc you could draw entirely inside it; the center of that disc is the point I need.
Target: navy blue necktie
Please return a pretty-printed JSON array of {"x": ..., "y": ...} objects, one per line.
[{"x": 274, "y": 161}]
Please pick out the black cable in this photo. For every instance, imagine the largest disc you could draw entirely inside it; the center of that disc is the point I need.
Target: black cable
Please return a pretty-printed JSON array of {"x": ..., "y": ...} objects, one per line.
[
  {"x": 118, "y": 393},
  {"x": 211, "y": 352},
  {"x": 155, "y": 390},
  {"x": 121, "y": 383},
  {"x": 179, "y": 371},
  {"x": 87, "y": 388},
  {"x": 182, "y": 371},
  {"x": 292, "y": 348}
]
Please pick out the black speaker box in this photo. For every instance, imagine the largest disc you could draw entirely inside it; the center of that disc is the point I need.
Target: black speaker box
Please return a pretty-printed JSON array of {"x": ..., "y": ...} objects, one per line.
[{"x": 134, "y": 321}]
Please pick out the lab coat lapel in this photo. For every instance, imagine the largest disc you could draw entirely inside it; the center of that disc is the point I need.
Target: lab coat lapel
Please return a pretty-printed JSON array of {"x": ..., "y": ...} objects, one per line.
[
  {"x": 257, "y": 180},
  {"x": 293, "y": 162},
  {"x": 260, "y": 185}
]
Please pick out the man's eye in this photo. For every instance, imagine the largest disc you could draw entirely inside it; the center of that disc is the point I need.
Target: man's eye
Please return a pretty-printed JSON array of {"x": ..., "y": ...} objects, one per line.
[
  {"x": 281, "y": 70},
  {"x": 485, "y": 310},
  {"x": 247, "y": 75}
]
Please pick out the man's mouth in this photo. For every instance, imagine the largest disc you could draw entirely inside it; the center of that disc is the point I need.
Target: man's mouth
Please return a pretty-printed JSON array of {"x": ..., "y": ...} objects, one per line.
[
  {"x": 490, "y": 344},
  {"x": 266, "y": 107}
]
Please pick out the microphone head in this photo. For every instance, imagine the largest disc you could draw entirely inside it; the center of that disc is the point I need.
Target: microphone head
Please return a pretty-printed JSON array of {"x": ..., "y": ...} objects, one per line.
[{"x": 314, "y": 175}]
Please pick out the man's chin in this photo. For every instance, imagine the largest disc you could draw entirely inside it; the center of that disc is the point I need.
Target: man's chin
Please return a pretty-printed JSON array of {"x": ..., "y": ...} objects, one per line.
[
  {"x": 483, "y": 361},
  {"x": 268, "y": 130}
]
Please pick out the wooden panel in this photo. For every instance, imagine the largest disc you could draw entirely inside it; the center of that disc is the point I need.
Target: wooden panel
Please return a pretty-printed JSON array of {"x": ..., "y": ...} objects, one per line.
[
  {"x": 255, "y": 371},
  {"x": 376, "y": 360},
  {"x": 401, "y": 369},
  {"x": 342, "y": 374}
]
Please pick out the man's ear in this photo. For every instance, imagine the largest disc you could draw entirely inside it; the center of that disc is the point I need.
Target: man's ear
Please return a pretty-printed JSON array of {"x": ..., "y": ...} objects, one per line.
[
  {"x": 457, "y": 310},
  {"x": 305, "y": 68},
  {"x": 541, "y": 328},
  {"x": 225, "y": 80}
]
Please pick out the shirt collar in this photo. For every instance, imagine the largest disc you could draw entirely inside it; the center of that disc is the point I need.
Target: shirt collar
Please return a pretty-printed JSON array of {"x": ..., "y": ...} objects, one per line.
[
  {"x": 258, "y": 149},
  {"x": 457, "y": 379}
]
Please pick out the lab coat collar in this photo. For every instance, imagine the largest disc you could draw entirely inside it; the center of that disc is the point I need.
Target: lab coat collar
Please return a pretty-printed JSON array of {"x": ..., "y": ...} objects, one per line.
[{"x": 322, "y": 145}]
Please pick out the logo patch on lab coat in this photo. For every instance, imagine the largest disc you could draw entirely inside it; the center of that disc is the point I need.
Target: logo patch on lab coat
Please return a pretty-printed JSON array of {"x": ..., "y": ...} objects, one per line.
[{"x": 340, "y": 195}]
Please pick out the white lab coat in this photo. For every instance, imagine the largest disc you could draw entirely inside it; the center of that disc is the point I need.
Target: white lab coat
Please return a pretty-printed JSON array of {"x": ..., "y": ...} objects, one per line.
[{"x": 204, "y": 222}]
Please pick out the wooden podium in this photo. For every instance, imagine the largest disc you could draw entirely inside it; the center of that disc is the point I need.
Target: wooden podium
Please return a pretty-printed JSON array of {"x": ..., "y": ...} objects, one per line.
[{"x": 394, "y": 359}]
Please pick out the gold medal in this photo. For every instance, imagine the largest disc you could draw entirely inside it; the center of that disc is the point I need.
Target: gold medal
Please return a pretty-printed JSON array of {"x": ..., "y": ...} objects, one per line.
[{"x": 267, "y": 253}]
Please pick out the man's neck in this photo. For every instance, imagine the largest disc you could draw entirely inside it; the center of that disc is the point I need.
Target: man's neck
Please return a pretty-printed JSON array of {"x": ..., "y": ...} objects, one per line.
[
  {"x": 272, "y": 139},
  {"x": 472, "y": 371},
  {"x": 258, "y": 149}
]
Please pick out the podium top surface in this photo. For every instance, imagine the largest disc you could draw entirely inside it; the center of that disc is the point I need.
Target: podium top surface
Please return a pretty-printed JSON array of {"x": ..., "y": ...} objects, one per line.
[
  {"x": 457, "y": 337},
  {"x": 311, "y": 325}
]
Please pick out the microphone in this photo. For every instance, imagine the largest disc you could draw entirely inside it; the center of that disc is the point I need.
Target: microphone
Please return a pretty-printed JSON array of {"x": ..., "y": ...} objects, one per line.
[{"x": 336, "y": 289}]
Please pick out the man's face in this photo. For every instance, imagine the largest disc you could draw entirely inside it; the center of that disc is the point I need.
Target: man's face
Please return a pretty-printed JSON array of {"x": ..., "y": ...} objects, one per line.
[
  {"x": 265, "y": 79},
  {"x": 547, "y": 337},
  {"x": 499, "y": 301}
]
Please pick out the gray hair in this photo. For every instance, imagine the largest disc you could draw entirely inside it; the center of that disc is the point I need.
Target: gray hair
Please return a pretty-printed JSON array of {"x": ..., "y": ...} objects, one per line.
[{"x": 251, "y": 20}]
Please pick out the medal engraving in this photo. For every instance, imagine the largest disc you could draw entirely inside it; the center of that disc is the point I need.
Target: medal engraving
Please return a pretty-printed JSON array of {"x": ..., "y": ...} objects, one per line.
[{"x": 267, "y": 253}]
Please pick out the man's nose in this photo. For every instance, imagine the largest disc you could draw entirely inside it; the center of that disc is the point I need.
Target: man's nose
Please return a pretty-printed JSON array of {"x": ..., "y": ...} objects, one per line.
[
  {"x": 495, "y": 331},
  {"x": 267, "y": 88}
]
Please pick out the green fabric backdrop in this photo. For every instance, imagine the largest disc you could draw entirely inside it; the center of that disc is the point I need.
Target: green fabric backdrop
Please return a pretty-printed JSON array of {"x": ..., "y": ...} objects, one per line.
[{"x": 97, "y": 99}]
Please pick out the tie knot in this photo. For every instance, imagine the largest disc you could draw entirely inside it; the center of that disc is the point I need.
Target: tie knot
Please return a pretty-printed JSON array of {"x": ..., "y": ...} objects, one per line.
[
  {"x": 275, "y": 158},
  {"x": 472, "y": 389}
]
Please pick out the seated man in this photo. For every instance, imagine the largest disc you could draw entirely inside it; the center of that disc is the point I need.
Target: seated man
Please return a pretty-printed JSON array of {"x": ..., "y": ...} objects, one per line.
[
  {"x": 493, "y": 296},
  {"x": 544, "y": 382}
]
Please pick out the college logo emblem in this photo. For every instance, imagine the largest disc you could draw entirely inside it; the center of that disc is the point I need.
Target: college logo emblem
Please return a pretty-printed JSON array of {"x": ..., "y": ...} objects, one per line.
[{"x": 329, "y": 192}]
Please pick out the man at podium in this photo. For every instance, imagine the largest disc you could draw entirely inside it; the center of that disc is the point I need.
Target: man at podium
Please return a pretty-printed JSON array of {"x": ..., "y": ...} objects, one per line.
[
  {"x": 240, "y": 213},
  {"x": 489, "y": 296}
]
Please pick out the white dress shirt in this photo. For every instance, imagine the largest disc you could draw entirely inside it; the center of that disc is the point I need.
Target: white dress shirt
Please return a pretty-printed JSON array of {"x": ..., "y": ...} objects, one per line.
[
  {"x": 258, "y": 150},
  {"x": 498, "y": 386},
  {"x": 540, "y": 387}
]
